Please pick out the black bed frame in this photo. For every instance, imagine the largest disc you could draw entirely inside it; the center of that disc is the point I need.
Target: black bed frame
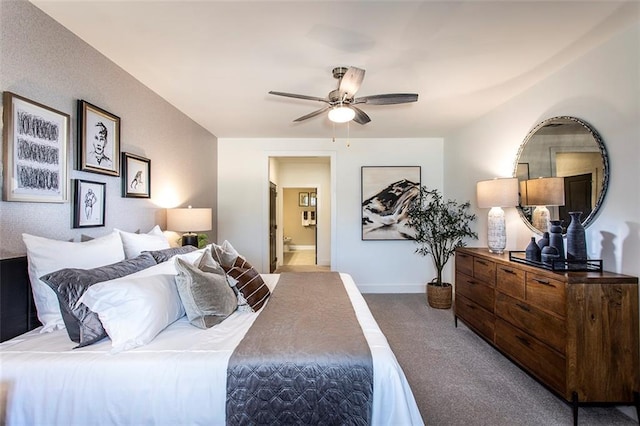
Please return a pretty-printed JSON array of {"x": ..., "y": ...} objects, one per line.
[{"x": 17, "y": 309}]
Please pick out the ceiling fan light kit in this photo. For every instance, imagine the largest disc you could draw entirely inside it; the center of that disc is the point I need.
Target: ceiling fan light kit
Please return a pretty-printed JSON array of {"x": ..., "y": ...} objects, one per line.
[
  {"x": 341, "y": 114},
  {"x": 340, "y": 103}
]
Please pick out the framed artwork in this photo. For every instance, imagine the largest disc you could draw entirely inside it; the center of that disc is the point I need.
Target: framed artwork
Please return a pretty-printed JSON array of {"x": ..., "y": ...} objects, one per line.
[
  {"x": 387, "y": 193},
  {"x": 88, "y": 204},
  {"x": 303, "y": 199},
  {"x": 98, "y": 140},
  {"x": 136, "y": 176},
  {"x": 312, "y": 199},
  {"x": 34, "y": 151}
]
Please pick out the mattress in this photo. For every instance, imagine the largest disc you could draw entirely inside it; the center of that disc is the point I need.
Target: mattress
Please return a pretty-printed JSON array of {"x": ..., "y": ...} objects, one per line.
[{"x": 179, "y": 378}]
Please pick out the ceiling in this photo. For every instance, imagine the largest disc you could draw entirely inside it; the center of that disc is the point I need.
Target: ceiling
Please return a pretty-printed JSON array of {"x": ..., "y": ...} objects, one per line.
[{"x": 216, "y": 60}]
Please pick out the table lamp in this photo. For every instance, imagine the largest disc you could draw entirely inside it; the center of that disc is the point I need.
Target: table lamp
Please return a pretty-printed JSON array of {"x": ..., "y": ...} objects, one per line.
[
  {"x": 543, "y": 192},
  {"x": 189, "y": 221},
  {"x": 494, "y": 194}
]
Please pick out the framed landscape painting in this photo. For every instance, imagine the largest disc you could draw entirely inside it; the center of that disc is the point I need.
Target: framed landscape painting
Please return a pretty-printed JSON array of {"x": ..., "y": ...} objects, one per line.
[
  {"x": 387, "y": 193},
  {"x": 34, "y": 151}
]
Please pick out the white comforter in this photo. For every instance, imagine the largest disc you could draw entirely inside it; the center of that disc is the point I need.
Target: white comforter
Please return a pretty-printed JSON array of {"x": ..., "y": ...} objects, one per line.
[{"x": 177, "y": 379}]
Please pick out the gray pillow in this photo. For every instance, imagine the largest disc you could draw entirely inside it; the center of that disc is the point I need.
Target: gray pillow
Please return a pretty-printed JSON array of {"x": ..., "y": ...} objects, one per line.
[
  {"x": 205, "y": 294},
  {"x": 83, "y": 325},
  {"x": 166, "y": 254}
]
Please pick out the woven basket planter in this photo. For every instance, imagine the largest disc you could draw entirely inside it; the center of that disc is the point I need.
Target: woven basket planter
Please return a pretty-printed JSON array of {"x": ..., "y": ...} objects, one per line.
[{"x": 439, "y": 297}]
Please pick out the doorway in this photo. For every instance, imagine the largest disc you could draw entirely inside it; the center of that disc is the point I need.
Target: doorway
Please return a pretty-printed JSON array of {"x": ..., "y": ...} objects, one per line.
[{"x": 299, "y": 226}]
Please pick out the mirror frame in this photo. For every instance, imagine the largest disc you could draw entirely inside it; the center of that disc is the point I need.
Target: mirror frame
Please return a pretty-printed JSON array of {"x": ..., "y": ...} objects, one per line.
[{"x": 605, "y": 163}]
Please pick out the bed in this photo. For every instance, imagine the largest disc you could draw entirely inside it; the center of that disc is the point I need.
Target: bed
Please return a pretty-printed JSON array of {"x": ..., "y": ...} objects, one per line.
[{"x": 182, "y": 374}]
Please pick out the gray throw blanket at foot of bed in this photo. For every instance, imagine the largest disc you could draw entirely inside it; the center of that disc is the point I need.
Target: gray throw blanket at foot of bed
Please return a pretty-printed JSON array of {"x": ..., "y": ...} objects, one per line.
[{"x": 304, "y": 360}]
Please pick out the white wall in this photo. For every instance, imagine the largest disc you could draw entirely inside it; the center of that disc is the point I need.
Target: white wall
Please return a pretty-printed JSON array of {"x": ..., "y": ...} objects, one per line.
[
  {"x": 375, "y": 265},
  {"x": 603, "y": 89},
  {"x": 45, "y": 62}
]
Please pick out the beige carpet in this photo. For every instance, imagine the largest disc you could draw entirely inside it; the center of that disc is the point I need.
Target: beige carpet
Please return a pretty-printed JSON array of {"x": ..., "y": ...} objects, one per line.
[{"x": 458, "y": 379}]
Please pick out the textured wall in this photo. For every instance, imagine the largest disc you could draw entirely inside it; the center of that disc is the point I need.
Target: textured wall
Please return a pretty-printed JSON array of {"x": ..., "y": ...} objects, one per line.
[{"x": 43, "y": 61}]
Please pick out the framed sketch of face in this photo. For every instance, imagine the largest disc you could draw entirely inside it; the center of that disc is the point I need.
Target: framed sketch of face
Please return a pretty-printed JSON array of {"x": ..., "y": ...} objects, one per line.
[{"x": 98, "y": 140}]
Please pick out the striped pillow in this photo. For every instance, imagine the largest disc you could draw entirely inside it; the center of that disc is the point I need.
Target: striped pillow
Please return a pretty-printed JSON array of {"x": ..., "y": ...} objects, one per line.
[{"x": 250, "y": 284}]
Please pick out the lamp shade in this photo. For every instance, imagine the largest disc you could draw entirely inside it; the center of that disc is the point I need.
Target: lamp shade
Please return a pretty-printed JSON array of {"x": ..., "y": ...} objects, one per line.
[
  {"x": 497, "y": 193},
  {"x": 548, "y": 191},
  {"x": 189, "y": 219}
]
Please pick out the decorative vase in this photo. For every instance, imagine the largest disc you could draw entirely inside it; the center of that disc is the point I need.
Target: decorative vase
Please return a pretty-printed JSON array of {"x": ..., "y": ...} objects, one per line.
[
  {"x": 555, "y": 238},
  {"x": 576, "y": 240},
  {"x": 439, "y": 297},
  {"x": 548, "y": 255},
  {"x": 544, "y": 241},
  {"x": 533, "y": 251}
]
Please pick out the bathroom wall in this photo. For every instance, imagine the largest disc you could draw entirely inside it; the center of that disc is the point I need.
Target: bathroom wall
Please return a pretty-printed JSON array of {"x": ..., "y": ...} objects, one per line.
[{"x": 302, "y": 236}]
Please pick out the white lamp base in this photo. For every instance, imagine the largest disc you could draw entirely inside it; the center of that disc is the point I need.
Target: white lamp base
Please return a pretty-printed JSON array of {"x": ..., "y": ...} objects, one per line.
[
  {"x": 541, "y": 218},
  {"x": 496, "y": 231}
]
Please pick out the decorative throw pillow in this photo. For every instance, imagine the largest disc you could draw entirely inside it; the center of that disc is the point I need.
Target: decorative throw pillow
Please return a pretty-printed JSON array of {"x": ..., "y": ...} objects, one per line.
[
  {"x": 205, "y": 294},
  {"x": 166, "y": 254},
  {"x": 248, "y": 281},
  {"x": 134, "y": 244},
  {"x": 83, "y": 325},
  {"x": 46, "y": 255},
  {"x": 135, "y": 308}
]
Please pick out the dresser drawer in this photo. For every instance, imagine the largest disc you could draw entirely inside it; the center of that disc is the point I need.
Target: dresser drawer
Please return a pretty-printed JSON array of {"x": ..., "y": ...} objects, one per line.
[
  {"x": 484, "y": 270},
  {"x": 542, "y": 362},
  {"x": 464, "y": 263},
  {"x": 475, "y": 290},
  {"x": 510, "y": 280},
  {"x": 547, "y": 328},
  {"x": 546, "y": 293},
  {"x": 475, "y": 317}
]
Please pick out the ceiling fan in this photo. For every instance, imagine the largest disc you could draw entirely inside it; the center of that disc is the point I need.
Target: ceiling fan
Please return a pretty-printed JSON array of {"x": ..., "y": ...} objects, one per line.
[{"x": 341, "y": 103}]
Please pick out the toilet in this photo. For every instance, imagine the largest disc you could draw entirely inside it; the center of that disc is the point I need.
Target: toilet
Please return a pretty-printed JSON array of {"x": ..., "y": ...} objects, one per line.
[{"x": 287, "y": 243}]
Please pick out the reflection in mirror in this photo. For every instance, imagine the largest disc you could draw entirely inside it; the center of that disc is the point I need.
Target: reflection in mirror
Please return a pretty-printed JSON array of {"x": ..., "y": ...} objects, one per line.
[{"x": 566, "y": 148}]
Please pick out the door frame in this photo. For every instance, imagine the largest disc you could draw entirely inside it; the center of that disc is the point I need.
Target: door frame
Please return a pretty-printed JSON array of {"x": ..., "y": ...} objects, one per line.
[{"x": 268, "y": 155}]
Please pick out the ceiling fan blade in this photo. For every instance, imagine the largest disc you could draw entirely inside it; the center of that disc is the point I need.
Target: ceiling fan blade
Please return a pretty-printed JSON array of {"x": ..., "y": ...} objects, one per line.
[
  {"x": 351, "y": 81},
  {"x": 388, "y": 99},
  {"x": 361, "y": 116},
  {"x": 313, "y": 114},
  {"x": 305, "y": 97}
]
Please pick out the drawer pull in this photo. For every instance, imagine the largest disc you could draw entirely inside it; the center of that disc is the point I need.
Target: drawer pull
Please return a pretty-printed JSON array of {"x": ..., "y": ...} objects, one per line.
[
  {"x": 544, "y": 282},
  {"x": 472, "y": 282},
  {"x": 482, "y": 262},
  {"x": 464, "y": 256},
  {"x": 509, "y": 271},
  {"x": 523, "y": 341},
  {"x": 523, "y": 307}
]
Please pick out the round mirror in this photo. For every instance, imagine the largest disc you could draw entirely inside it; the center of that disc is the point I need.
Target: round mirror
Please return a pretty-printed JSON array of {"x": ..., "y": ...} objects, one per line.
[{"x": 562, "y": 166}]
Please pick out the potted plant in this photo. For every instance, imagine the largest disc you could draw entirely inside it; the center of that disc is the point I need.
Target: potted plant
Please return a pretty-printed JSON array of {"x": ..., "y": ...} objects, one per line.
[{"x": 440, "y": 227}]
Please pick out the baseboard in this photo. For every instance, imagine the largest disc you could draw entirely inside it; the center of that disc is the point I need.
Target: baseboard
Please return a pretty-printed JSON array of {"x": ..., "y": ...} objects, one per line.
[{"x": 391, "y": 288}]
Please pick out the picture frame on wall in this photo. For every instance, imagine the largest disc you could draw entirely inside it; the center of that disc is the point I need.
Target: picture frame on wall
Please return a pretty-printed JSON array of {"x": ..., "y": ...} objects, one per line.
[
  {"x": 387, "y": 192},
  {"x": 98, "y": 140},
  {"x": 88, "y": 204},
  {"x": 303, "y": 199},
  {"x": 136, "y": 176},
  {"x": 312, "y": 199},
  {"x": 35, "y": 139}
]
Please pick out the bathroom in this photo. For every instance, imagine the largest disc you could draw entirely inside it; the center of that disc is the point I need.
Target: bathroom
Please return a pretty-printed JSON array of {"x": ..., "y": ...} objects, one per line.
[{"x": 299, "y": 226}]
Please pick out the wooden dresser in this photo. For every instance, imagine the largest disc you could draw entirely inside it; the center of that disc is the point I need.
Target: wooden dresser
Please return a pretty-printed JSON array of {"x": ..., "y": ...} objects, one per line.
[{"x": 576, "y": 332}]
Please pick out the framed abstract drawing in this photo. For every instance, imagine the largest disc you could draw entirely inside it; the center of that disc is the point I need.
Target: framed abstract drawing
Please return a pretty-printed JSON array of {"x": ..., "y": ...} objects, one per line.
[
  {"x": 303, "y": 199},
  {"x": 34, "y": 151},
  {"x": 98, "y": 140},
  {"x": 387, "y": 193},
  {"x": 136, "y": 176},
  {"x": 88, "y": 204}
]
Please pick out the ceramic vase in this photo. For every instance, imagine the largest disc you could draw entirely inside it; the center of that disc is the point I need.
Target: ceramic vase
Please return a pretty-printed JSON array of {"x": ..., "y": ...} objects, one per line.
[
  {"x": 544, "y": 241},
  {"x": 576, "y": 240},
  {"x": 555, "y": 238},
  {"x": 533, "y": 251},
  {"x": 548, "y": 255}
]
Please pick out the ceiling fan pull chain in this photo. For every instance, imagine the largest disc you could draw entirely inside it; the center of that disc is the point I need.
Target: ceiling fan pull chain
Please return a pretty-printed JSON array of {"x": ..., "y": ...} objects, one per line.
[{"x": 348, "y": 134}]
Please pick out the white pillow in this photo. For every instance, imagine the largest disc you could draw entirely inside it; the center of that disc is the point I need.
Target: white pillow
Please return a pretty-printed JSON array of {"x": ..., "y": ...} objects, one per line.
[
  {"x": 135, "y": 308},
  {"x": 134, "y": 244},
  {"x": 46, "y": 255}
]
